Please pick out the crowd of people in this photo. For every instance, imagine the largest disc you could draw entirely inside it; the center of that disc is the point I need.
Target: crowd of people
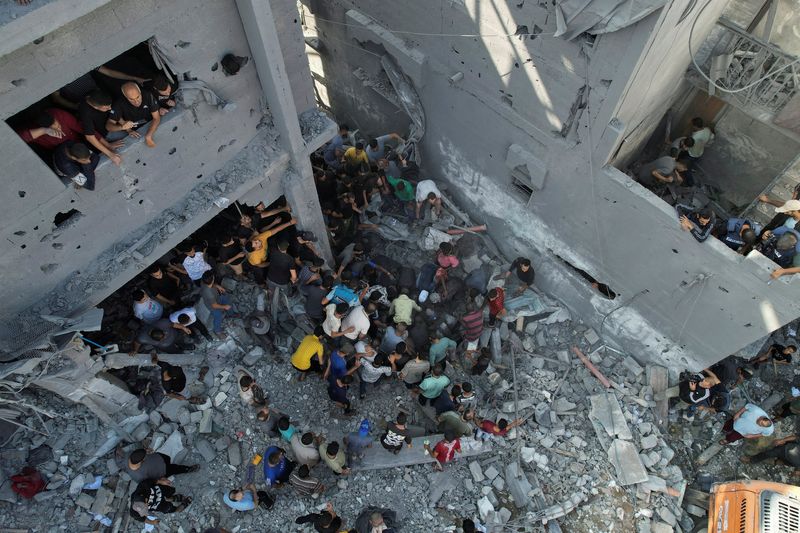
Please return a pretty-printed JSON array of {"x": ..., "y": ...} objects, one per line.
[
  {"x": 92, "y": 116},
  {"x": 779, "y": 240},
  {"x": 369, "y": 323},
  {"x": 710, "y": 391}
]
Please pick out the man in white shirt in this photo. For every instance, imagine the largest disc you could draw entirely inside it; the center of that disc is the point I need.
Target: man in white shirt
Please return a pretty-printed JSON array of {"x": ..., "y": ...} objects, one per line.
[
  {"x": 183, "y": 318},
  {"x": 195, "y": 265},
  {"x": 372, "y": 372},
  {"x": 357, "y": 322},
  {"x": 428, "y": 192},
  {"x": 701, "y": 135}
]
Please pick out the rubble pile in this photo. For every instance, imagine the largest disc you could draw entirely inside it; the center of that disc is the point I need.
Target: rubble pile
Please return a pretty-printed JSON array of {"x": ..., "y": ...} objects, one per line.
[{"x": 591, "y": 457}]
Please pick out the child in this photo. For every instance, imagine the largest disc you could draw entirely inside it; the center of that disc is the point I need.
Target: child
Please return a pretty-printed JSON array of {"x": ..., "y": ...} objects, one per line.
[
  {"x": 496, "y": 299},
  {"x": 445, "y": 259},
  {"x": 445, "y": 450},
  {"x": 488, "y": 430},
  {"x": 286, "y": 429},
  {"x": 249, "y": 391},
  {"x": 467, "y": 400}
]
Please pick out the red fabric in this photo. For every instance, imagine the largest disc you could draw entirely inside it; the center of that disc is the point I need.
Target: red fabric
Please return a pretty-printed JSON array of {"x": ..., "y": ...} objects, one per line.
[
  {"x": 69, "y": 125},
  {"x": 27, "y": 483},
  {"x": 496, "y": 305},
  {"x": 489, "y": 427},
  {"x": 446, "y": 262},
  {"x": 445, "y": 451}
]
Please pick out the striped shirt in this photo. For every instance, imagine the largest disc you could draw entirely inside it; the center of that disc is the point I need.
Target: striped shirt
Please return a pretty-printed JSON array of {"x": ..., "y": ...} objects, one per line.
[
  {"x": 473, "y": 324},
  {"x": 304, "y": 486}
]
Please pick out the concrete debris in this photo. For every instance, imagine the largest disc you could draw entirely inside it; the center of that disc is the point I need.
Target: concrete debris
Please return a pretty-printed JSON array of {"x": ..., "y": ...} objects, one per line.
[{"x": 623, "y": 456}]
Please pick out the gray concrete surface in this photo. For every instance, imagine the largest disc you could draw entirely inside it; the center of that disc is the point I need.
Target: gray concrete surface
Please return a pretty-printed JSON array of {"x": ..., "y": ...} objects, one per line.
[
  {"x": 594, "y": 218},
  {"x": 202, "y": 154}
]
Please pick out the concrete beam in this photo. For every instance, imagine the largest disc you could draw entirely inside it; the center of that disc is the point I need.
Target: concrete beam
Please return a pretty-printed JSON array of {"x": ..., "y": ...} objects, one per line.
[
  {"x": 121, "y": 360},
  {"x": 377, "y": 457},
  {"x": 262, "y": 37},
  {"x": 23, "y": 25}
]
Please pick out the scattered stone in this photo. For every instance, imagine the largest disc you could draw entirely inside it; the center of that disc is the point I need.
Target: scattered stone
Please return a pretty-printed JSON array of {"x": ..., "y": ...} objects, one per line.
[
  {"x": 234, "y": 454},
  {"x": 648, "y": 442},
  {"x": 491, "y": 473},
  {"x": 84, "y": 500},
  {"x": 206, "y": 422},
  {"x": 220, "y": 398},
  {"x": 205, "y": 449},
  {"x": 485, "y": 508},
  {"x": 476, "y": 471},
  {"x": 173, "y": 446},
  {"x": 591, "y": 336}
]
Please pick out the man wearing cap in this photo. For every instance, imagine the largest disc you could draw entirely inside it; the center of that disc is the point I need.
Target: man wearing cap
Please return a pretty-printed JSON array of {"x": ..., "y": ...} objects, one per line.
[
  {"x": 698, "y": 222},
  {"x": 357, "y": 441}
]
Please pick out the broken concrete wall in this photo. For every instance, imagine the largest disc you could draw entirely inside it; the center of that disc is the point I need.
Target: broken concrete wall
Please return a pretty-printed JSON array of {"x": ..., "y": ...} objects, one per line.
[
  {"x": 658, "y": 74},
  {"x": 667, "y": 307},
  {"x": 192, "y": 146},
  {"x": 287, "y": 22}
]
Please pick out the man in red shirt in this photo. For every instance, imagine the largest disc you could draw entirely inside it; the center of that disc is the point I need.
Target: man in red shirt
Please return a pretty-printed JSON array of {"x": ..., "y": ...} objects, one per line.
[
  {"x": 53, "y": 127},
  {"x": 445, "y": 450},
  {"x": 489, "y": 430},
  {"x": 497, "y": 300}
]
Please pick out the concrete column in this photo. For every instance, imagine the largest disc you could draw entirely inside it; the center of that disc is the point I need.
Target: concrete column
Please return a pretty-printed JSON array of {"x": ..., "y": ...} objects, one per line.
[{"x": 262, "y": 36}]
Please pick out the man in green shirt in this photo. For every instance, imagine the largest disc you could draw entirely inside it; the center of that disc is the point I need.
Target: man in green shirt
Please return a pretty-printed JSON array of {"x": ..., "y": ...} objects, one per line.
[
  {"x": 432, "y": 386},
  {"x": 403, "y": 189},
  {"x": 438, "y": 350}
]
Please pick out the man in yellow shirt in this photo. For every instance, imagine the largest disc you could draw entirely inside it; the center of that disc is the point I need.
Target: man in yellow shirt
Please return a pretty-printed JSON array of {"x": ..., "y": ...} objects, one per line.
[
  {"x": 257, "y": 251},
  {"x": 303, "y": 359},
  {"x": 355, "y": 159}
]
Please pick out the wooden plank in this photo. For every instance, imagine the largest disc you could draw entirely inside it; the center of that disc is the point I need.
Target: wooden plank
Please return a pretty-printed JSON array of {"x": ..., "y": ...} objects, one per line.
[{"x": 659, "y": 381}]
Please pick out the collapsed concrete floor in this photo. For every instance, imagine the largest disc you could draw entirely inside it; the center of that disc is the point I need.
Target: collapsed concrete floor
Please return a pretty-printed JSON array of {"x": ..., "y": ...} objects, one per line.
[{"x": 594, "y": 459}]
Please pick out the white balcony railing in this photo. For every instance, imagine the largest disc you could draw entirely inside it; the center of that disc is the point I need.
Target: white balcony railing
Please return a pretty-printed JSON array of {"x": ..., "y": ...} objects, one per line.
[{"x": 739, "y": 59}]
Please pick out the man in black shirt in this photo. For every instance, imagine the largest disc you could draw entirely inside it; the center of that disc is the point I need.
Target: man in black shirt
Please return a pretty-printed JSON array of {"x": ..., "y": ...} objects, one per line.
[
  {"x": 522, "y": 278},
  {"x": 93, "y": 114},
  {"x": 164, "y": 286},
  {"x": 314, "y": 296},
  {"x": 323, "y": 522},
  {"x": 133, "y": 110},
  {"x": 173, "y": 379},
  {"x": 74, "y": 161},
  {"x": 164, "y": 93},
  {"x": 280, "y": 273}
]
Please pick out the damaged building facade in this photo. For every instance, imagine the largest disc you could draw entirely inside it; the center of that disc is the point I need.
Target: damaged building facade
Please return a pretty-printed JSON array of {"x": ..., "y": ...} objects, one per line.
[
  {"x": 65, "y": 250},
  {"x": 532, "y": 108}
]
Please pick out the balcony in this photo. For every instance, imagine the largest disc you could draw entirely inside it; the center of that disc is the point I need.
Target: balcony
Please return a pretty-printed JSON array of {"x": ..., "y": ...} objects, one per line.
[{"x": 735, "y": 59}]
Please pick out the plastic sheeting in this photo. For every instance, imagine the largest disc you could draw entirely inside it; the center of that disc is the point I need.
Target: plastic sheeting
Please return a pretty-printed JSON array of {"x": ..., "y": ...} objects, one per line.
[{"x": 574, "y": 17}]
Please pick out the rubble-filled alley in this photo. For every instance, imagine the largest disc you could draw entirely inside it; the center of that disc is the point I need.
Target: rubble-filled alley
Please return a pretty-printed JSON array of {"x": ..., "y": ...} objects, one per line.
[{"x": 596, "y": 450}]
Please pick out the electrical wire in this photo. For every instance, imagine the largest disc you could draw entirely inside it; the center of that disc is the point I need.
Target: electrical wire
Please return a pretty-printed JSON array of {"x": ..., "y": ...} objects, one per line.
[
  {"x": 715, "y": 84},
  {"x": 423, "y": 34}
]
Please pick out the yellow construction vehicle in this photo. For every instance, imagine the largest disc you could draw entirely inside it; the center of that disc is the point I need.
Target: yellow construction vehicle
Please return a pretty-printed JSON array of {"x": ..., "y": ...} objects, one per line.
[{"x": 753, "y": 507}]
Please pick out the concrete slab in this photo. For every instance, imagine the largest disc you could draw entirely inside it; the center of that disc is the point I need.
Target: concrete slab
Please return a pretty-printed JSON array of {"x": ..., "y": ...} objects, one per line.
[
  {"x": 659, "y": 381},
  {"x": 625, "y": 458},
  {"x": 518, "y": 485},
  {"x": 173, "y": 446},
  {"x": 607, "y": 411},
  {"x": 709, "y": 453},
  {"x": 376, "y": 457}
]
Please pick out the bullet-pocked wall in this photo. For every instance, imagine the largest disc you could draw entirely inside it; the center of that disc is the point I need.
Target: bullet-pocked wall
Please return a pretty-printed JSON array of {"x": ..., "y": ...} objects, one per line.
[
  {"x": 526, "y": 103},
  {"x": 201, "y": 153}
]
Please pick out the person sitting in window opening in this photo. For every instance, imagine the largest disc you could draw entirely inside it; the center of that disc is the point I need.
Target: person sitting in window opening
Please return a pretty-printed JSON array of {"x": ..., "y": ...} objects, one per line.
[
  {"x": 75, "y": 162},
  {"x": 665, "y": 169},
  {"x": 740, "y": 235},
  {"x": 93, "y": 113},
  {"x": 136, "y": 108},
  {"x": 699, "y": 222},
  {"x": 52, "y": 127},
  {"x": 164, "y": 93}
]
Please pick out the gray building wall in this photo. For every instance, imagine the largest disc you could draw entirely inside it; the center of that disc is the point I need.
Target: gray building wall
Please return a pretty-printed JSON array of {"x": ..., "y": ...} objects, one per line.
[
  {"x": 679, "y": 301},
  {"x": 158, "y": 196}
]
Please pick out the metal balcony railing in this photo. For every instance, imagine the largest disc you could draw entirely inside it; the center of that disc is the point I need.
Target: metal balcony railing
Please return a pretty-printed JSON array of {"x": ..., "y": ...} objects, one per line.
[{"x": 739, "y": 59}]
